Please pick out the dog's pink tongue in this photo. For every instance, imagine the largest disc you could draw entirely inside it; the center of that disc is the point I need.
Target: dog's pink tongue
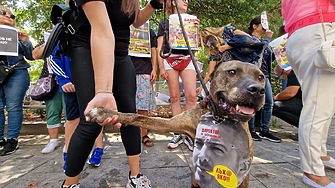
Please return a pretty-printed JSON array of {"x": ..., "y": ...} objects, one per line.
[{"x": 246, "y": 110}]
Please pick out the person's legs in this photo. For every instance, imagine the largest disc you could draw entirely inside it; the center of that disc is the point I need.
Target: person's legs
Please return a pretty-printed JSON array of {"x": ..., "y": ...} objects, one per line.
[
  {"x": 2, "y": 114},
  {"x": 72, "y": 120},
  {"x": 85, "y": 134},
  {"x": 266, "y": 114},
  {"x": 288, "y": 110},
  {"x": 143, "y": 103},
  {"x": 14, "y": 89},
  {"x": 54, "y": 109},
  {"x": 188, "y": 76},
  {"x": 174, "y": 90},
  {"x": 316, "y": 94},
  {"x": 124, "y": 92}
]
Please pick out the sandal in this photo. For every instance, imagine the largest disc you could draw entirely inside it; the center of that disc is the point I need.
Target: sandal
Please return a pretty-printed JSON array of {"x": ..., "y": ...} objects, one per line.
[{"x": 147, "y": 142}]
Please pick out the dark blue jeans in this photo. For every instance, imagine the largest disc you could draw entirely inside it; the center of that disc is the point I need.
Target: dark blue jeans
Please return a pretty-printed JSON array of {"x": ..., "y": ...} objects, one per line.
[
  {"x": 12, "y": 93},
  {"x": 266, "y": 111}
]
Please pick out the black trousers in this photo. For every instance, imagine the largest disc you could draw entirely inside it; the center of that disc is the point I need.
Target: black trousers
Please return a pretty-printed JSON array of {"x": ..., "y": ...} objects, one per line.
[
  {"x": 124, "y": 89},
  {"x": 288, "y": 110}
]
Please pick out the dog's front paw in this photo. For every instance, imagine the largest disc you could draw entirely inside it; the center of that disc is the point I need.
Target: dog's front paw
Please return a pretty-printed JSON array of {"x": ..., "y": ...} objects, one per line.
[{"x": 99, "y": 114}]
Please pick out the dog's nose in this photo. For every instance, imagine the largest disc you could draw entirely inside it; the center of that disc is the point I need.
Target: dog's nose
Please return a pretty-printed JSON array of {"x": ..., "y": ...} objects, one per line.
[{"x": 256, "y": 90}]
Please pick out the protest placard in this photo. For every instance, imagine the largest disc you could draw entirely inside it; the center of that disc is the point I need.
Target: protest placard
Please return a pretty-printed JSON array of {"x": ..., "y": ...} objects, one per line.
[
  {"x": 140, "y": 41},
  {"x": 8, "y": 41},
  {"x": 278, "y": 46},
  {"x": 176, "y": 37},
  {"x": 264, "y": 20}
]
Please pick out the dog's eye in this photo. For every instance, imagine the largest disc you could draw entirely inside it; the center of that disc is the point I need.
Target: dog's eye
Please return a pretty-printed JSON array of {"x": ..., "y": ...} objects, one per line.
[
  {"x": 261, "y": 78},
  {"x": 232, "y": 72}
]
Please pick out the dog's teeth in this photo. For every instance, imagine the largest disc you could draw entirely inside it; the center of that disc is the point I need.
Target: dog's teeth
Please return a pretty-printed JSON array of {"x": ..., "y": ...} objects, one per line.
[{"x": 237, "y": 107}]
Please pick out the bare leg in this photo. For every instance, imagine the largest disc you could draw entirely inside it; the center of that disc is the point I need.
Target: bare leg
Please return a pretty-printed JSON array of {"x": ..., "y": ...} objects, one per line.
[{"x": 71, "y": 125}]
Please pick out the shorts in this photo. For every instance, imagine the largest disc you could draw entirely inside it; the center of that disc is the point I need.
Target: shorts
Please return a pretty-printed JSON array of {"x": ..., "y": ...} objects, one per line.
[
  {"x": 145, "y": 97},
  {"x": 71, "y": 106},
  {"x": 54, "y": 110},
  {"x": 168, "y": 67}
]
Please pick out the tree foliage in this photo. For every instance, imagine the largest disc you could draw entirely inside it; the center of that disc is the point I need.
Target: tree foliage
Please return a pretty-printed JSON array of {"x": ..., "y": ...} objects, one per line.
[{"x": 33, "y": 16}]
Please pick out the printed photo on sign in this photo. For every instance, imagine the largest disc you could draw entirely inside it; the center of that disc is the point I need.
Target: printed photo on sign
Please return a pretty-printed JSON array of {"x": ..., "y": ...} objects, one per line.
[
  {"x": 219, "y": 159},
  {"x": 8, "y": 41},
  {"x": 140, "y": 41},
  {"x": 176, "y": 36},
  {"x": 278, "y": 46}
]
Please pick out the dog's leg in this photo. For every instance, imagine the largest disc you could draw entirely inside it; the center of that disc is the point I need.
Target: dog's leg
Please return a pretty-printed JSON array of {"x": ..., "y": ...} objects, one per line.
[
  {"x": 245, "y": 183},
  {"x": 185, "y": 122}
]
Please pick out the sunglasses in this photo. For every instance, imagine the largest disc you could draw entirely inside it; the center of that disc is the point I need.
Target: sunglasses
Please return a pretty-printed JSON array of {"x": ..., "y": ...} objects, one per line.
[{"x": 4, "y": 13}]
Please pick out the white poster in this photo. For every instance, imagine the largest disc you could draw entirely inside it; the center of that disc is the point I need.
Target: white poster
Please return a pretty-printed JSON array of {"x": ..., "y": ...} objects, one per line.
[
  {"x": 264, "y": 20},
  {"x": 139, "y": 45},
  {"x": 278, "y": 46},
  {"x": 176, "y": 36},
  {"x": 8, "y": 41}
]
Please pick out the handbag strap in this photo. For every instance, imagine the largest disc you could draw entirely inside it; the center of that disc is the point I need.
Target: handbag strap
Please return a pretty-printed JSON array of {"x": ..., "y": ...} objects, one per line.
[
  {"x": 13, "y": 66},
  {"x": 321, "y": 17}
]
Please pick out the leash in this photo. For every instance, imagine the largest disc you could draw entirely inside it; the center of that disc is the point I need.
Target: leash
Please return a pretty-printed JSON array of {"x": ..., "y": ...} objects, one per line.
[{"x": 208, "y": 99}]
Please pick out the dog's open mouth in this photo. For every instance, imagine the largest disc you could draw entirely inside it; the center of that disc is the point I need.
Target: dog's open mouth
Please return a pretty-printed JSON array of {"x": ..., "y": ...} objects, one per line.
[{"x": 238, "y": 109}]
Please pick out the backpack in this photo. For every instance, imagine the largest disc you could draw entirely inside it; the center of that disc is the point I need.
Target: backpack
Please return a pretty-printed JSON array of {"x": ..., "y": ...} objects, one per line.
[{"x": 63, "y": 32}]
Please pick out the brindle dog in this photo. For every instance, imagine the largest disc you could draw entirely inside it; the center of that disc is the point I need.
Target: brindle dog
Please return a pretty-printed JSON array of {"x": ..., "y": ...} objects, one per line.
[{"x": 237, "y": 91}]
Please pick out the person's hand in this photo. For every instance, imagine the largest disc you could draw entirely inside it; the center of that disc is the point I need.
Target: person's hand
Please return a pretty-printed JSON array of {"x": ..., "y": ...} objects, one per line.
[
  {"x": 224, "y": 48},
  {"x": 164, "y": 74},
  {"x": 106, "y": 100},
  {"x": 22, "y": 36},
  {"x": 198, "y": 90},
  {"x": 153, "y": 76},
  {"x": 68, "y": 88},
  {"x": 268, "y": 33},
  {"x": 197, "y": 23}
]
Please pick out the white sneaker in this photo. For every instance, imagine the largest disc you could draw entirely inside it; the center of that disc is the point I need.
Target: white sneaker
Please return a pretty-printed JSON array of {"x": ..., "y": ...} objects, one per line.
[{"x": 50, "y": 147}]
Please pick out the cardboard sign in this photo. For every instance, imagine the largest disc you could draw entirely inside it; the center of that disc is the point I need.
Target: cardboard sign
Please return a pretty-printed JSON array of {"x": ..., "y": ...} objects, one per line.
[
  {"x": 8, "y": 41},
  {"x": 46, "y": 36},
  {"x": 278, "y": 46},
  {"x": 264, "y": 20},
  {"x": 140, "y": 41},
  {"x": 176, "y": 37}
]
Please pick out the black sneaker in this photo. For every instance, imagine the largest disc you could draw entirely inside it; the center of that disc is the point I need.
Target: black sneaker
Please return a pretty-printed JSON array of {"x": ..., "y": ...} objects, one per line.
[
  {"x": 2, "y": 143},
  {"x": 10, "y": 147},
  {"x": 270, "y": 137},
  {"x": 189, "y": 143},
  {"x": 255, "y": 136}
]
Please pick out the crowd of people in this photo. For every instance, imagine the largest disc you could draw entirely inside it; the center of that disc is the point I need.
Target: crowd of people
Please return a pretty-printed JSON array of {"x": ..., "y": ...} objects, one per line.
[{"x": 300, "y": 103}]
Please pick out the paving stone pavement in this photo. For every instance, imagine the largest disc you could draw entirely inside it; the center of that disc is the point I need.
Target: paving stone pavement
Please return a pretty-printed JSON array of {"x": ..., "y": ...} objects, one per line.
[{"x": 275, "y": 165}]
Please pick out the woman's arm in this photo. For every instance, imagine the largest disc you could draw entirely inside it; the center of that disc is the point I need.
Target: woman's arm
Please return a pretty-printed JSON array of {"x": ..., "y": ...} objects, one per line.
[
  {"x": 143, "y": 15},
  {"x": 162, "y": 71},
  {"x": 102, "y": 58},
  {"x": 153, "y": 75},
  {"x": 26, "y": 45},
  {"x": 210, "y": 70},
  {"x": 101, "y": 35}
]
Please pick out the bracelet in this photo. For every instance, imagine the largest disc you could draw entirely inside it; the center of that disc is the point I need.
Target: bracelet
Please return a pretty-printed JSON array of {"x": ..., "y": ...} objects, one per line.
[
  {"x": 156, "y": 5},
  {"x": 104, "y": 91}
]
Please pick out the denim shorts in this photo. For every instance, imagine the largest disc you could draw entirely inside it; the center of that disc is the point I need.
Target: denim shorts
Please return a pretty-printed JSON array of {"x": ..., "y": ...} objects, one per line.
[
  {"x": 71, "y": 106},
  {"x": 145, "y": 98}
]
